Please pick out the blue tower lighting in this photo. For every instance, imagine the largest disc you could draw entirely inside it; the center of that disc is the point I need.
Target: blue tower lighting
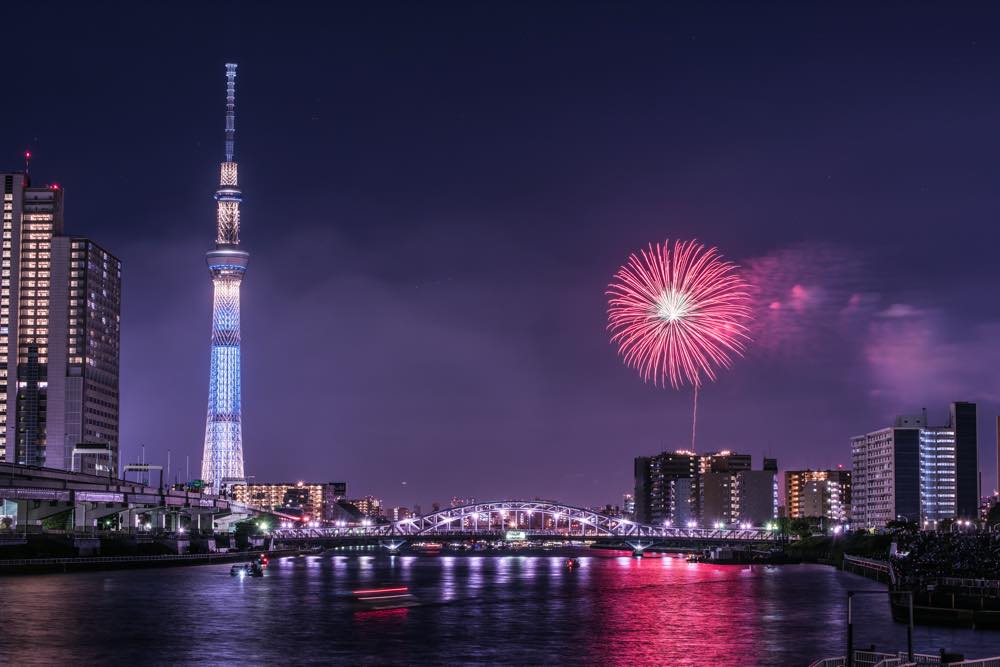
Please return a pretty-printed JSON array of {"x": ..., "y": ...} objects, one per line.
[{"x": 222, "y": 461}]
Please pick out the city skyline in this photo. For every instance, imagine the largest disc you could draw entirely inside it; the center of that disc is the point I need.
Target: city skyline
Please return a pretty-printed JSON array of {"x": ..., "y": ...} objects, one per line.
[{"x": 426, "y": 297}]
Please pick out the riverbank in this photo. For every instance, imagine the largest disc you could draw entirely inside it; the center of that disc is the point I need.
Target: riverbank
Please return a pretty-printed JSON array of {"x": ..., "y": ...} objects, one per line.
[
  {"x": 22, "y": 566},
  {"x": 831, "y": 550}
]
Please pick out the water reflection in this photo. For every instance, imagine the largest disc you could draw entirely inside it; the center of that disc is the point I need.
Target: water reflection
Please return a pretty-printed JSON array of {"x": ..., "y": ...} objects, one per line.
[{"x": 478, "y": 609}]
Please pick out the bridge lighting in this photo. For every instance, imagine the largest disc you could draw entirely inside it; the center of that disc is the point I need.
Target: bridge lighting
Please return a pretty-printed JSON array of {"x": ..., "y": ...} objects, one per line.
[
  {"x": 692, "y": 523},
  {"x": 718, "y": 525},
  {"x": 837, "y": 529}
]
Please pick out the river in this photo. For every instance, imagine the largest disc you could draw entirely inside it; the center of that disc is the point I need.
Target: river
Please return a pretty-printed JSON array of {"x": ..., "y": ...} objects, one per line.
[{"x": 513, "y": 610}]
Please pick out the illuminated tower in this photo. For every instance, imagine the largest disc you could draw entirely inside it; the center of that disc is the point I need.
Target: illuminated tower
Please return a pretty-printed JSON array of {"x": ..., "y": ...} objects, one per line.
[{"x": 222, "y": 461}]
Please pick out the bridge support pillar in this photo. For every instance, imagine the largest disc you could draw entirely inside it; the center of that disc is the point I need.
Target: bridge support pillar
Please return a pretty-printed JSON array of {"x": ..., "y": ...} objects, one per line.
[{"x": 80, "y": 521}]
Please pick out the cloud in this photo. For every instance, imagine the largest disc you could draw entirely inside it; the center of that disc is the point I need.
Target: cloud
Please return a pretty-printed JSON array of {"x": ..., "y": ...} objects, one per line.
[
  {"x": 918, "y": 357},
  {"x": 801, "y": 294}
]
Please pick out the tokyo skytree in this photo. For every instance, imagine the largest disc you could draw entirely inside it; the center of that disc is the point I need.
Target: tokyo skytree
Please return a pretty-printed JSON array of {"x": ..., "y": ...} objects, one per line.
[{"x": 222, "y": 461}]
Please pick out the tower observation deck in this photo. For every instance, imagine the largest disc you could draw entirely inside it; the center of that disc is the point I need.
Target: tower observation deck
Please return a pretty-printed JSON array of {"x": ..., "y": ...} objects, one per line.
[{"x": 222, "y": 460}]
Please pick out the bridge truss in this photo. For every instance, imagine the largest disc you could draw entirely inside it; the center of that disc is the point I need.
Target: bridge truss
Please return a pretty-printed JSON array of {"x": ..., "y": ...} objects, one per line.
[{"x": 534, "y": 518}]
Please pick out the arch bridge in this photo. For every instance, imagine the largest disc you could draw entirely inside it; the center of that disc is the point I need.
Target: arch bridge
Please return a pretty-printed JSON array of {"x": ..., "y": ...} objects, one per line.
[{"x": 536, "y": 519}]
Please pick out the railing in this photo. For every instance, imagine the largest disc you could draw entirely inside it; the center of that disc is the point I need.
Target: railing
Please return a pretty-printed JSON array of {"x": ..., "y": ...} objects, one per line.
[
  {"x": 876, "y": 659},
  {"x": 869, "y": 563},
  {"x": 969, "y": 583}
]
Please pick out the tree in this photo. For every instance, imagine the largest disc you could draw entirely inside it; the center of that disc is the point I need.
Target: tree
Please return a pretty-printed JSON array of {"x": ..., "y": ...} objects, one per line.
[{"x": 993, "y": 516}]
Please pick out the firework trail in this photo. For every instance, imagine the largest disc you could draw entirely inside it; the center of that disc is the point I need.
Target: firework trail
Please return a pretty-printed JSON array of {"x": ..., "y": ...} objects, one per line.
[{"x": 678, "y": 314}]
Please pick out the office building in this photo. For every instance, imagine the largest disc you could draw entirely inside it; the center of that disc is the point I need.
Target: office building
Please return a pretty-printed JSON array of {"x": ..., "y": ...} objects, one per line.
[
  {"x": 938, "y": 493},
  {"x": 60, "y": 303},
  {"x": 316, "y": 500},
  {"x": 818, "y": 493},
  {"x": 964, "y": 422},
  {"x": 916, "y": 472}
]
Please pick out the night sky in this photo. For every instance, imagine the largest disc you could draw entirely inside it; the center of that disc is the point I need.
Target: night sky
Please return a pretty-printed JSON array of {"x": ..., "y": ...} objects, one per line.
[{"x": 436, "y": 196}]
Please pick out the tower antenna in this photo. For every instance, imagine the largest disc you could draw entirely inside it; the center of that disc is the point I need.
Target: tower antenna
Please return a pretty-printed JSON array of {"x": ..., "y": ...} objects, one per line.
[{"x": 230, "y": 110}]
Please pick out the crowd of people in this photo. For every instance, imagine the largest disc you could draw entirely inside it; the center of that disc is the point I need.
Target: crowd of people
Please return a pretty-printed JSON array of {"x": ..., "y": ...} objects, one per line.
[{"x": 965, "y": 555}]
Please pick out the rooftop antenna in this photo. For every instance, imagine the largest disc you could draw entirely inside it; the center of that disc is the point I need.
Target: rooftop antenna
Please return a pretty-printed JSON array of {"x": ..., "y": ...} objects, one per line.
[
  {"x": 230, "y": 110},
  {"x": 27, "y": 163}
]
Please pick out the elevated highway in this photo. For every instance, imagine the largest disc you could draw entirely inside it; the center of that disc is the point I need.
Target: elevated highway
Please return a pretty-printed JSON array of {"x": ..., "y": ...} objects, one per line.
[{"x": 39, "y": 493}]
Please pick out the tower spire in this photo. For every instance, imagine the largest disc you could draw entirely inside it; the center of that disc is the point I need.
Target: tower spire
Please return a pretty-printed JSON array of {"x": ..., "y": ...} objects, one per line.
[
  {"x": 230, "y": 110},
  {"x": 222, "y": 462}
]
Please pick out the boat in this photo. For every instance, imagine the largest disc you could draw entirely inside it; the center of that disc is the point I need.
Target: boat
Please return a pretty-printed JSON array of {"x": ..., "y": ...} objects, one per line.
[
  {"x": 252, "y": 569},
  {"x": 378, "y": 599},
  {"x": 572, "y": 563}
]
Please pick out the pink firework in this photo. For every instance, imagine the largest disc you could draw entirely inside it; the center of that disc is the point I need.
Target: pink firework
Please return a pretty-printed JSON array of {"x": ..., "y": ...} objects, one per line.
[{"x": 678, "y": 314}]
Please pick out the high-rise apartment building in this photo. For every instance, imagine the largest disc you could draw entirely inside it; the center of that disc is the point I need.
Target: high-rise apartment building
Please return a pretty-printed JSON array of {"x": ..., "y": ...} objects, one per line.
[
  {"x": 756, "y": 494},
  {"x": 317, "y": 500},
  {"x": 369, "y": 506},
  {"x": 60, "y": 303},
  {"x": 818, "y": 493},
  {"x": 628, "y": 505},
  {"x": 659, "y": 498},
  {"x": 716, "y": 495},
  {"x": 916, "y": 472},
  {"x": 886, "y": 473},
  {"x": 674, "y": 488}
]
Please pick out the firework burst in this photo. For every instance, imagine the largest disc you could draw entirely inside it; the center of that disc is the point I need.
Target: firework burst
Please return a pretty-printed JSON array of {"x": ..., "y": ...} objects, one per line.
[{"x": 678, "y": 314}]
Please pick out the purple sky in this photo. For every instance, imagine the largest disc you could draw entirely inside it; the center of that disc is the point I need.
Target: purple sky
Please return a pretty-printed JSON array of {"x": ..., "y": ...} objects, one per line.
[{"x": 436, "y": 197}]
